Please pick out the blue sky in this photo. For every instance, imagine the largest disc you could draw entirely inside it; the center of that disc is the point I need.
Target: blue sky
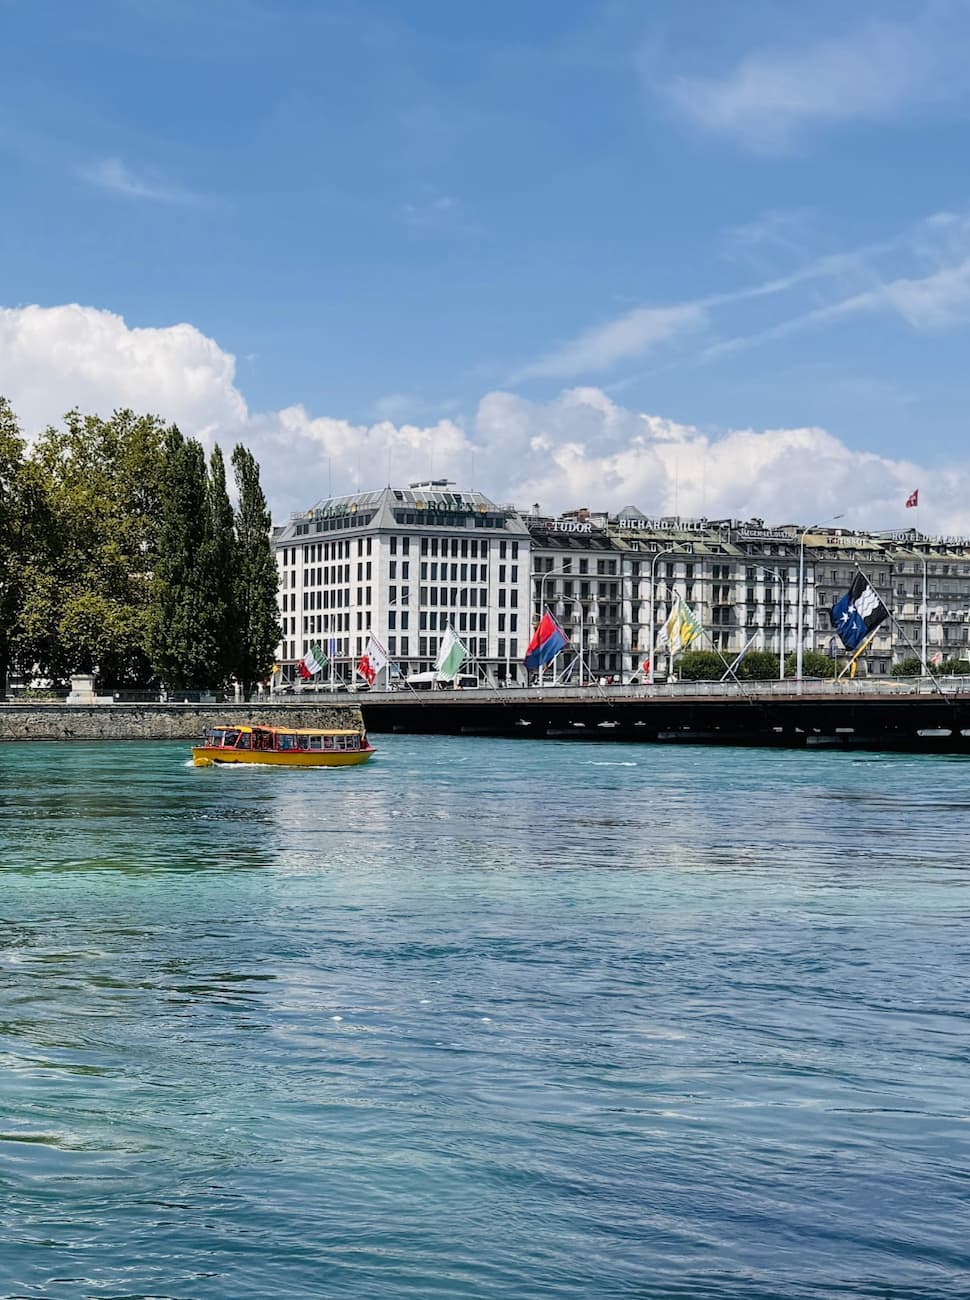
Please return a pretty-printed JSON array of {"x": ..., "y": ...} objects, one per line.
[{"x": 729, "y": 217}]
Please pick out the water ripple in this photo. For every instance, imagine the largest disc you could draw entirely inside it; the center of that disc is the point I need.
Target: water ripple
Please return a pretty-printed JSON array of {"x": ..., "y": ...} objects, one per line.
[{"x": 484, "y": 1019}]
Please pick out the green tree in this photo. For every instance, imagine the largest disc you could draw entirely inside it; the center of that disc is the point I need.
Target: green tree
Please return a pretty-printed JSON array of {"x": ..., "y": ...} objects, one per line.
[
  {"x": 95, "y": 485},
  {"x": 813, "y": 665},
  {"x": 911, "y": 667},
  {"x": 954, "y": 667},
  {"x": 187, "y": 615},
  {"x": 759, "y": 666},
  {"x": 257, "y": 612},
  {"x": 15, "y": 527},
  {"x": 218, "y": 559},
  {"x": 700, "y": 666}
]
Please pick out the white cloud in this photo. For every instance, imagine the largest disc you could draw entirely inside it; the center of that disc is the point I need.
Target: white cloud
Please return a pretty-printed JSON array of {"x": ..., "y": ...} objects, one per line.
[
  {"x": 580, "y": 448},
  {"x": 113, "y": 175},
  {"x": 869, "y": 74},
  {"x": 630, "y": 335}
]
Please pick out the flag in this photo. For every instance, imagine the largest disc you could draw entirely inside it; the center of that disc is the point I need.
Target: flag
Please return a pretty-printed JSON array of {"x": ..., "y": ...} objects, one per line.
[
  {"x": 912, "y": 499},
  {"x": 451, "y": 656},
  {"x": 372, "y": 660},
  {"x": 645, "y": 666},
  {"x": 547, "y": 641},
  {"x": 937, "y": 659},
  {"x": 858, "y": 613},
  {"x": 681, "y": 628},
  {"x": 313, "y": 662}
]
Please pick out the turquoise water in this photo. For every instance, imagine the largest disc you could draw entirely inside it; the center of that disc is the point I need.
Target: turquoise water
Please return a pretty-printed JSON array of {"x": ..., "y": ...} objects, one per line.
[{"x": 484, "y": 1018}]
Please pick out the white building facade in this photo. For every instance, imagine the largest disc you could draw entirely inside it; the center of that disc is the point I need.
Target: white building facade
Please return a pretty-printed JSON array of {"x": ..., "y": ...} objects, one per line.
[{"x": 404, "y": 565}]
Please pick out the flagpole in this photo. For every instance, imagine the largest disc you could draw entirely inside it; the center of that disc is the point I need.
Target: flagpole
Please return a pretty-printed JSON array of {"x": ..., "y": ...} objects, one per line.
[
  {"x": 901, "y": 629},
  {"x": 860, "y": 651},
  {"x": 925, "y": 638}
]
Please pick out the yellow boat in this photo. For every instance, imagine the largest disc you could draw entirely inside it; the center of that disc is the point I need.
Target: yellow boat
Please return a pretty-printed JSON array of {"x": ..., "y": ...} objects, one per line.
[{"x": 282, "y": 746}]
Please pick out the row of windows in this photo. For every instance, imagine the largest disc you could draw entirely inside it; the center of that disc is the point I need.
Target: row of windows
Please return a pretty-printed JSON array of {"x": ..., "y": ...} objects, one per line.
[
  {"x": 328, "y": 623},
  {"x": 564, "y": 564},
  {"x": 338, "y": 599},
  {"x": 454, "y": 546},
  {"x": 455, "y": 596},
  {"x": 426, "y": 517},
  {"x": 430, "y": 621},
  {"x": 459, "y": 572},
  {"x": 351, "y": 520},
  {"x": 323, "y": 551},
  {"x": 583, "y": 590}
]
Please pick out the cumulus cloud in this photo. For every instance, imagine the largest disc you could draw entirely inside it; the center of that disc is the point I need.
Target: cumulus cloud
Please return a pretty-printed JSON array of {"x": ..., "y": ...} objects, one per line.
[{"x": 579, "y": 448}]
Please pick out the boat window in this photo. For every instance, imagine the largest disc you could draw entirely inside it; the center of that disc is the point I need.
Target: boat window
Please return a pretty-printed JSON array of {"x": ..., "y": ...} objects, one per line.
[
  {"x": 244, "y": 741},
  {"x": 328, "y": 742},
  {"x": 229, "y": 739},
  {"x": 316, "y": 742},
  {"x": 286, "y": 742}
]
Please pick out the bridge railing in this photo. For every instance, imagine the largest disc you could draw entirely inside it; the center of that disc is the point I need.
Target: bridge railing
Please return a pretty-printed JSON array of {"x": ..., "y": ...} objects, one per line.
[{"x": 865, "y": 687}]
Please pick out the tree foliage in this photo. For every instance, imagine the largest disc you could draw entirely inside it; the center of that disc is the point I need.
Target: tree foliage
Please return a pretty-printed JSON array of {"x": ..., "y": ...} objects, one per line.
[
  {"x": 120, "y": 554},
  {"x": 759, "y": 666},
  {"x": 257, "y": 613},
  {"x": 14, "y": 532},
  {"x": 87, "y": 581},
  {"x": 911, "y": 667},
  {"x": 701, "y": 666},
  {"x": 813, "y": 665},
  {"x": 186, "y": 614}
]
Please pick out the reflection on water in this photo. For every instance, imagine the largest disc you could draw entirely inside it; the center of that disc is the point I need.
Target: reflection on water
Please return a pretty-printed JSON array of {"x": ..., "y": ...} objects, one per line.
[{"x": 483, "y": 1018}]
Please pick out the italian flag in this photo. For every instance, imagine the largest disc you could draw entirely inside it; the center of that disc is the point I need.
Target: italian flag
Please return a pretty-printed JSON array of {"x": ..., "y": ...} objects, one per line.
[{"x": 313, "y": 662}]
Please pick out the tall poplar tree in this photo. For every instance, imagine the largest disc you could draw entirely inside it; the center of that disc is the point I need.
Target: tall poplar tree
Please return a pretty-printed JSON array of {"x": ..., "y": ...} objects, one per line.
[
  {"x": 218, "y": 561},
  {"x": 258, "y": 631},
  {"x": 187, "y": 618}
]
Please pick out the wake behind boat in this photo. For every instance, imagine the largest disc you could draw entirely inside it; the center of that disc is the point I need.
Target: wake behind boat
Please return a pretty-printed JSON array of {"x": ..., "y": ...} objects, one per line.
[{"x": 282, "y": 746}]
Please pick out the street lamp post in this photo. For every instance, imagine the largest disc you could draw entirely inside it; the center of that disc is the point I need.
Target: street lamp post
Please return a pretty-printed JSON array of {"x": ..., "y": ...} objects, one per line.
[
  {"x": 924, "y": 669},
  {"x": 667, "y": 550},
  {"x": 800, "y": 632},
  {"x": 551, "y": 573}
]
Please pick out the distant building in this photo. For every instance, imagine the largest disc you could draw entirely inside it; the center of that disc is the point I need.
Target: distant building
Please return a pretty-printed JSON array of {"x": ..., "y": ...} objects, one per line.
[{"x": 405, "y": 564}]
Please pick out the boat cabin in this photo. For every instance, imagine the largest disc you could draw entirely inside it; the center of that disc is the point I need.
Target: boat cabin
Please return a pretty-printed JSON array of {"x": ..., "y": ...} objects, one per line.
[{"x": 283, "y": 740}]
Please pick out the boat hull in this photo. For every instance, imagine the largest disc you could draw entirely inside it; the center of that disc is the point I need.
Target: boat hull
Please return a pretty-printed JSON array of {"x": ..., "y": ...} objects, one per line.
[{"x": 205, "y": 756}]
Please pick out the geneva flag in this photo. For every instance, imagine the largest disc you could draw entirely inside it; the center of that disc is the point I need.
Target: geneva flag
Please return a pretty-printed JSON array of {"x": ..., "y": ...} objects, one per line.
[
  {"x": 546, "y": 643},
  {"x": 372, "y": 660},
  {"x": 857, "y": 613}
]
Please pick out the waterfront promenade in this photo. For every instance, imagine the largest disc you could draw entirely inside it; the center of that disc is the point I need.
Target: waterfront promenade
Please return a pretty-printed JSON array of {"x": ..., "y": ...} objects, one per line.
[{"x": 908, "y": 714}]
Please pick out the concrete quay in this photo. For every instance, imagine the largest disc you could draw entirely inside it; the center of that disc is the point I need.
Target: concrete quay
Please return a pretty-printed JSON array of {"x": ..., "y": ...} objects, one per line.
[{"x": 133, "y": 721}]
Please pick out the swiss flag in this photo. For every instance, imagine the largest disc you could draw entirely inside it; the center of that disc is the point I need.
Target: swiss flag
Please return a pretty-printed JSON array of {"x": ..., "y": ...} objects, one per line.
[{"x": 912, "y": 499}]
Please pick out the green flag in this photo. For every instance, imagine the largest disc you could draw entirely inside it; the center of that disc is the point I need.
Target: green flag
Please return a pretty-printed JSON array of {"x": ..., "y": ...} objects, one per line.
[{"x": 451, "y": 656}]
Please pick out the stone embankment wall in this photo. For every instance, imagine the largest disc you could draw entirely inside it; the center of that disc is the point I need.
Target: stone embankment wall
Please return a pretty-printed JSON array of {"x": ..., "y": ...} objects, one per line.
[{"x": 159, "y": 721}]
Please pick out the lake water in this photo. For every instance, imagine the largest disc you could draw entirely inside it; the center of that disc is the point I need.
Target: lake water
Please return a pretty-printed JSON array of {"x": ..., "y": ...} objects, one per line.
[{"x": 485, "y": 1018}]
